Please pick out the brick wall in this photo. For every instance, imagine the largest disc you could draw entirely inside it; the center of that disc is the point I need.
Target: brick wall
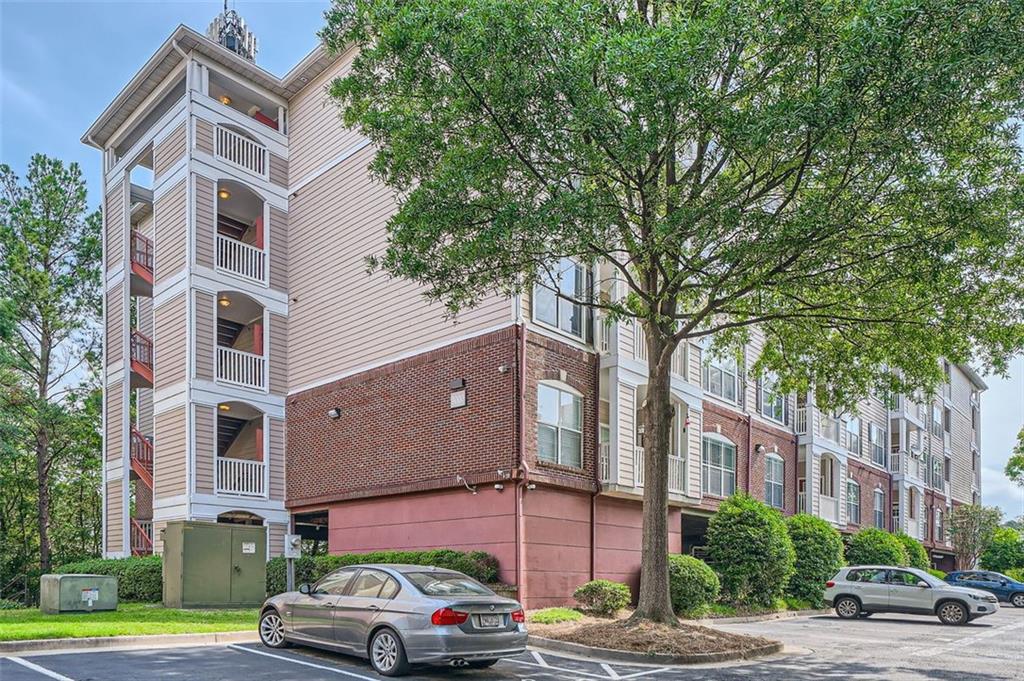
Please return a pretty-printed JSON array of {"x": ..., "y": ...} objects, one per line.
[{"x": 869, "y": 478}]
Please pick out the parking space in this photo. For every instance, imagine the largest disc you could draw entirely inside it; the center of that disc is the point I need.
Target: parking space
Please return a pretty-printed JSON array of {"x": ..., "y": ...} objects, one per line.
[{"x": 818, "y": 648}]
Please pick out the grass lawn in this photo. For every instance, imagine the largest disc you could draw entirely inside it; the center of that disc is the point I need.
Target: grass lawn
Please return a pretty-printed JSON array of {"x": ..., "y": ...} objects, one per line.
[{"x": 130, "y": 619}]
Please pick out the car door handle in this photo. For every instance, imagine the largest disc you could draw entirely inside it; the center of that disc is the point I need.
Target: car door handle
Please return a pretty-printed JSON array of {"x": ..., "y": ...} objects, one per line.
[
  {"x": 373, "y": 607},
  {"x": 328, "y": 604}
]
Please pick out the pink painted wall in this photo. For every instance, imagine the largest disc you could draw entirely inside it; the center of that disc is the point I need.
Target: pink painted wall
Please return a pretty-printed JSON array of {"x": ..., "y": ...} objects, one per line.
[
  {"x": 619, "y": 536},
  {"x": 556, "y": 532},
  {"x": 449, "y": 519}
]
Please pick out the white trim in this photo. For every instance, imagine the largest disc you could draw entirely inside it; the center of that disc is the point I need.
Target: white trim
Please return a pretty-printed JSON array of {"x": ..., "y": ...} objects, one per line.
[
  {"x": 212, "y": 393},
  {"x": 215, "y": 281},
  {"x": 170, "y": 288},
  {"x": 212, "y": 111},
  {"x": 170, "y": 397},
  {"x": 712, "y": 435},
  {"x": 325, "y": 168},
  {"x": 214, "y": 169},
  {"x": 561, "y": 385},
  {"x": 169, "y": 120}
]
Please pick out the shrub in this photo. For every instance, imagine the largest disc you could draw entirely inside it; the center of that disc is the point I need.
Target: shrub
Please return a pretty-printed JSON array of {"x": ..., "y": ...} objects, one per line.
[
  {"x": 873, "y": 546},
  {"x": 819, "y": 555},
  {"x": 750, "y": 549},
  {"x": 693, "y": 585},
  {"x": 1006, "y": 551},
  {"x": 479, "y": 565},
  {"x": 8, "y": 604},
  {"x": 917, "y": 557},
  {"x": 1016, "y": 574},
  {"x": 138, "y": 578},
  {"x": 936, "y": 573},
  {"x": 555, "y": 615},
  {"x": 603, "y": 597}
]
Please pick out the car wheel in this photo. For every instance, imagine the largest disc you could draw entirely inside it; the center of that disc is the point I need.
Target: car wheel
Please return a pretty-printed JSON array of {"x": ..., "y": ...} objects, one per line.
[
  {"x": 1017, "y": 600},
  {"x": 481, "y": 664},
  {"x": 952, "y": 612},
  {"x": 848, "y": 608},
  {"x": 387, "y": 654},
  {"x": 272, "y": 630}
]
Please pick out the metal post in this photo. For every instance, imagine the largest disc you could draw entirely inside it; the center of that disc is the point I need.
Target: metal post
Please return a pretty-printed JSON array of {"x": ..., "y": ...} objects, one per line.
[{"x": 291, "y": 574}]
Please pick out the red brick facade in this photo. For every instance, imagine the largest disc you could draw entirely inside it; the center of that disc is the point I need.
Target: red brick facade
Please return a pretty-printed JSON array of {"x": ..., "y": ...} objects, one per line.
[{"x": 869, "y": 478}]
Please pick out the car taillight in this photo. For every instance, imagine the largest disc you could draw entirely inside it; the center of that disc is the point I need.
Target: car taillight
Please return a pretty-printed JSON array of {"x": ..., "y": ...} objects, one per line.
[
  {"x": 519, "y": 616},
  {"x": 829, "y": 584},
  {"x": 447, "y": 616}
]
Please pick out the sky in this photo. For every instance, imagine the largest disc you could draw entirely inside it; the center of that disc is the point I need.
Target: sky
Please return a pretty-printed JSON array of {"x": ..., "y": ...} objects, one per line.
[{"x": 61, "y": 63}]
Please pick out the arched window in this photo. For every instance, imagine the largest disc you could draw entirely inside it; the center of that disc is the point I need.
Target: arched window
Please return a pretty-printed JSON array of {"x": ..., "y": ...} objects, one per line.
[
  {"x": 774, "y": 475},
  {"x": 559, "y": 425},
  {"x": 718, "y": 466},
  {"x": 827, "y": 476},
  {"x": 852, "y": 502}
]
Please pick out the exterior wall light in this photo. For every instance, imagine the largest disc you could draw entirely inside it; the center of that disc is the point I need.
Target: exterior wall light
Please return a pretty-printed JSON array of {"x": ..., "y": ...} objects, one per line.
[
  {"x": 334, "y": 413},
  {"x": 224, "y": 194},
  {"x": 225, "y": 100}
]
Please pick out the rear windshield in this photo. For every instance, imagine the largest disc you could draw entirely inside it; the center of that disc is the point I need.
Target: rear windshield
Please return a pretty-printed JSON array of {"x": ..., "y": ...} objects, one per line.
[{"x": 447, "y": 584}]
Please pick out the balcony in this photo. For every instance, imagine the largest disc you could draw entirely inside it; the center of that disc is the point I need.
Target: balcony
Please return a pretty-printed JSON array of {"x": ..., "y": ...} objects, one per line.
[
  {"x": 828, "y": 508},
  {"x": 800, "y": 421},
  {"x": 142, "y": 457},
  {"x": 830, "y": 428},
  {"x": 141, "y": 265},
  {"x": 678, "y": 364},
  {"x": 241, "y": 151},
  {"x": 141, "y": 360},
  {"x": 241, "y": 477},
  {"x": 241, "y": 259},
  {"x": 241, "y": 459},
  {"x": 242, "y": 368},
  {"x": 241, "y": 357},
  {"x": 676, "y": 474},
  {"x": 141, "y": 537},
  {"x": 638, "y": 466}
]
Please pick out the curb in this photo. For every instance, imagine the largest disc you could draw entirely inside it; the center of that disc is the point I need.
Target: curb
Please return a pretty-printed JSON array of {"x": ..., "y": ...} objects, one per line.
[
  {"x": 102, "y": 642},
  {"x": 650, "y": 658},
  {"x": 767, "y": 617}
]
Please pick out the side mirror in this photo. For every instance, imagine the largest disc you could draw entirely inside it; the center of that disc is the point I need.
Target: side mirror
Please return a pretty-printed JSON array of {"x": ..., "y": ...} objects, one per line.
[
  {"x": 304, "y": 589},
  {"x": 923, "y": 584}
]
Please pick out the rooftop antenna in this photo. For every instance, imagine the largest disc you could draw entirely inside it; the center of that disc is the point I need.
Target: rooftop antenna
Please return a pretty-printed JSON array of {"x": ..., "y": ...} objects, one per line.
[{"x": 229, "y": 30}]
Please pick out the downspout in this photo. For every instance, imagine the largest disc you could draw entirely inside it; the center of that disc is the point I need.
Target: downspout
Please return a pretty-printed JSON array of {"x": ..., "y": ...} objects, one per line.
[
  {"x": 750, "y": 450},
  {"x": 524, "y": 467},
  {"x": 597, "y": 472}
]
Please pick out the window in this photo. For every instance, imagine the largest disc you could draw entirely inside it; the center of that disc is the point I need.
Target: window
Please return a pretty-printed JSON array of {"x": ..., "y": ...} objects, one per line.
[
  {"x": 940, "y": 535},
  {"x": 369, "y": 584},
  {"x": 872, "y": 575},
  {"x": 852, "y": 503},
  {"x": 936, "y": 421},
  {"x": 335, "y": 583},
  {"x": 719, "y": 467},
  {"x": 440, "y": 583},
  {"x": 877, "y": 444},
  {"x": 853, "y": 436},
  {"x": 559, "y": 426},
  {"x": 912, "y": 504},
  {"x": 827, "y": 477},
  {"x": 773, "y": 481},
  {"x": 773, "y": 402},
  {"x": 721, "y": 378},
  {"x": 901, "y": 578},
  {"x": 879, "y": 509},
  {"x": 924, "y": 524},
  {"x": 559, "y": 311}
]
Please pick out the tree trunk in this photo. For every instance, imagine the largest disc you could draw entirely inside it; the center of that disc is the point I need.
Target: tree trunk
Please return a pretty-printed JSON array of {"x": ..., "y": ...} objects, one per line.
[
  {"x": 654, "y": 602},
  {"x": 43, "y": 500}
]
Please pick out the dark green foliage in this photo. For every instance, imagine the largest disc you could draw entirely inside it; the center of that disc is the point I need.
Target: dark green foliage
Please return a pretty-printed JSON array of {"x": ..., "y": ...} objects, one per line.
[
  {"x": 917, "y": 557},
  {"x": 872, "y": 546},
  {"x": 819, "y": 555},
  {"x": 138, "y": 579},
  {"x": 692, "y": 584},
  {"x": 602, "y": 597},
  {"x": 750, "y": 549},
  {"x": 1005, "y": 552},
  {"x": 479, "y": 565}
]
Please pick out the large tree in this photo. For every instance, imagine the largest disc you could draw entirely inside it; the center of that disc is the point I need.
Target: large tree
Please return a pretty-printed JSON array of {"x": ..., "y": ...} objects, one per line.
[
  {"x": 50, "y": 289},
  {"x": 971, "y": 529},
  {"x": 842, "y": 174},
  {"x": 1015, "y": 464}
]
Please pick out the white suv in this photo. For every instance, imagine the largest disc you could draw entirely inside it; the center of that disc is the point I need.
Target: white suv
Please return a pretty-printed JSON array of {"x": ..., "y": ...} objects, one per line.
[{"x": 866, "y": 589}]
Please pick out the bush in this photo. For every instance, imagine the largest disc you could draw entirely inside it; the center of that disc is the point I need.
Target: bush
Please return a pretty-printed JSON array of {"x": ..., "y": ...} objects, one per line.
[
  {"x": 917, "y": 557},
  {"x": 138, "y": 578},
  {"x": 936, "y": 573},
  {"x": 603, "y": 597},
  {"x": 873, "y": 546},
  {"x": 750, "y": 549},
  {"x": 479, "y": 565},
  {"x": 8, "y": 604},
  {"x": 692, "y": 585},
  {"x": 555, "y": 615},
  {"x": 819, "y": 555},
  {"x": 1016, "y": 574},
  {"x": 1006, "y": 551}
]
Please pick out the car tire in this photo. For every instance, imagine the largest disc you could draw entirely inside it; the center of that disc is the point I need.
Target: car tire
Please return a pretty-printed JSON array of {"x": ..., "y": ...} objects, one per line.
[
  {"x": 481, "y": 664},
  {"x": 272, "y": 630},
  {"x": 1017, "y": 599},
  {"x": 387, "y": 654},
  {"x": 954, "y": 613},
  {"x": 848, "y": 608}
]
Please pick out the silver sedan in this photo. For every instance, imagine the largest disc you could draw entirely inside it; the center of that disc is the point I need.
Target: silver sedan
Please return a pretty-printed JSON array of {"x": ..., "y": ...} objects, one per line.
[{"x": 398, "y": 615}]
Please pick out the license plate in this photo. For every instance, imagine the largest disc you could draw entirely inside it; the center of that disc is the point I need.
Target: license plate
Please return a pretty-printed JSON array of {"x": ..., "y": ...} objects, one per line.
[{"x": 490, "y": 621}]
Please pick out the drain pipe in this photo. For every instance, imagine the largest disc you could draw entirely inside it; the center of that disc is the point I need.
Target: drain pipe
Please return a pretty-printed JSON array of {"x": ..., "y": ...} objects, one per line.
[{"x": 524, "y": 467}]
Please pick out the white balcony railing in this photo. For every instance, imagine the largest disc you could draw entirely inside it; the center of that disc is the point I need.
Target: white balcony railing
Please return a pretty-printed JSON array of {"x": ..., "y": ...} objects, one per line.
[
  {"x": 801, "y": 502},
  {"x": 830, "y": 428},
  {"x": 241, "y": 151},
  {"x": 240, "y": 258},
  {"x": 676, "y": 474},
  {"x": 639, "y": 344},
  {"x": 604, "y": 462},
  {"x": 604, "y": 332},
  {"x": 679, "y": 360},
  {"x": 828, "y": 508},
  {"x": 241, "y": 476},
  {"x": 638, "y": 466},
  {"x": 241, "y": 368},
  {"x": 800, "y": 422}
]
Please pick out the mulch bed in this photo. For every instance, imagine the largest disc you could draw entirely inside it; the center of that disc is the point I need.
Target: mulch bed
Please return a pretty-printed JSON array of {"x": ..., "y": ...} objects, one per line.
[{"x": 648, "y": 637}]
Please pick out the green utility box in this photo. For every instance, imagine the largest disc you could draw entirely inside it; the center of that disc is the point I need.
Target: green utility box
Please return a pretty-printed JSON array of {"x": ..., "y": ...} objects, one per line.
[
  {"x": 77, "y": 593},
  {"x": 214, "y": 565}
]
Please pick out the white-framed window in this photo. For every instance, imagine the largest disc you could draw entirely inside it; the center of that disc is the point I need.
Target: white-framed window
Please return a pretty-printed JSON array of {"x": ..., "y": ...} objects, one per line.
[
  {"x": 852, "y": 502},
  {"x": 774, "y": 477},
  {"x": 559, "y": 426},
  {"x": 827, "y": 475},
  {"x": 936, "y": 420},
  {"x": 912, "y": 504},
  {"x": 721, "y": 378},
  {"x": 572, "y": 281},
  {"x": 880, "y": 509},
  {"x": 772, "y": 402},
  {"x": 924, "y": 523},
  {"x": 876, "y": 440},
  {"x": 939, "y": 531},
  {"x": 718, "y": 465},
  {"x": 853, "y": 444}
]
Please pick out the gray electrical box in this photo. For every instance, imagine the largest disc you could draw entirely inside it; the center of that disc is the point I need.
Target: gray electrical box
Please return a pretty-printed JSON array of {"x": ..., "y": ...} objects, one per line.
[
  {"x": 214, "y": 565},
  {"x": 77, "y": 593}
]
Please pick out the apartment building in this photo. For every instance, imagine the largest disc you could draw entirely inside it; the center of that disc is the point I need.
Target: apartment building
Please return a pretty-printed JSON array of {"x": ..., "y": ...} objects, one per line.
[{"x": 254, "y": 372}]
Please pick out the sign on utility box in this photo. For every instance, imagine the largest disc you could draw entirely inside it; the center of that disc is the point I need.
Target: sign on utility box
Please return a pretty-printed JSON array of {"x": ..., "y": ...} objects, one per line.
[
  {"x": 77, "y": 593},
  {"x": 214, "y": 565}
]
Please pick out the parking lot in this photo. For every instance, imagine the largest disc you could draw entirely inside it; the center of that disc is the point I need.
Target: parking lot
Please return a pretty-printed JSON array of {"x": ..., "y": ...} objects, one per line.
[{"x": 818, "y": 648}]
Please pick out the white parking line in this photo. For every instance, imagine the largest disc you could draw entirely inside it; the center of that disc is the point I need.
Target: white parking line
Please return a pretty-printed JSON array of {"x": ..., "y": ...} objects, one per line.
[
  {"x": 540, "y": 659},
  {"x": 41, "y": 670},
  {"x": 335, "y": 670},
  {"x": 612, "y": 674},
  {"x": 997, "y": 631}
]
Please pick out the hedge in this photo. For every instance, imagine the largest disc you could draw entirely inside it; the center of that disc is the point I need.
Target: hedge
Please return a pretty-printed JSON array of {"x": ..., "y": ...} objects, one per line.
[
  {"x": 917, "y": 557},
  {"x": 692, "y": 584},
  {"x": 819, "y": 555},
  {"x": 872, "y": 546},
  {"x": 138, "y": 579},
  {"x": 936, "y": 573},
  {"x": 750, "y": 549},
  {"x": 603, "y": 597},
  {"x": 479, "y": 565},
  {"x": 1016, "y": 574}
]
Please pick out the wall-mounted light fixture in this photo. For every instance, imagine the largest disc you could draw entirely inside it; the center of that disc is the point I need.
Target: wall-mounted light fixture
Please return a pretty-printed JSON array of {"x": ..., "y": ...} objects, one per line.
[
  {"x": 224, "y": 407},
  {"x": 465, "y": 483},
  {"x": 224, "y": 301},
  {"x": 457, "y": 398},
  {"x": 759, "y": 449},
  {"x": 224, "y": 99},
  {"x": 334, "y": 413},
  {"x": 224, "y": 194}
]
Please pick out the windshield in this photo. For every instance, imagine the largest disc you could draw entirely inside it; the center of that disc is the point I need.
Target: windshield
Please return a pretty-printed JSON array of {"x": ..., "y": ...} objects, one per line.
[{"x": 447, "y": 584}]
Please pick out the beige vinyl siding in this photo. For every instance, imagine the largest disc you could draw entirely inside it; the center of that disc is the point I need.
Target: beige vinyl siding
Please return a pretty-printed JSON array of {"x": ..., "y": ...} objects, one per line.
[
  {"x": 278, "y": 337},
  {"x": 275, "y": 535},
  {"x": 696, "y": 374},
  {"x": 961, "y": 473},
  {"x": 278, "y": 249},
  {"x": 169, "y": 350},
  {"x": 278, "y": 171},
  {"x": 115, "y": 516},
  {"x": 695, "y": 443},
  {"x": 144, "y": 411},
  {"x": 204, "y": 136},
  {"x": 170, "y": 456},
  {"x": 205, "y": 335},
  {"x": 276, "y": 458},
  {"x": 342, "y": 319},
  {"x": 116, "y": 234},
  {"x": 169, "y": 151},
  {"x": 115, "y": 425},
  {"x": 627, "y": 436},
  {"x": 315, "y": 131},
  {"x": 171, "y": 233},
  {"x": 206, "y": 225},
  {"x": 116, "y": 324},
  {"x": 158, "y": 539},
  {"x": 206, "y": 442}
]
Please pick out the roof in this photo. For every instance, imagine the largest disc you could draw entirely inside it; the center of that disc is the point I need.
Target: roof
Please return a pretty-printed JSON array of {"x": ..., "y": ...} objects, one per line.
[
  {"x": 172, "y": 52},
  {"x": 973, "y": 376}
]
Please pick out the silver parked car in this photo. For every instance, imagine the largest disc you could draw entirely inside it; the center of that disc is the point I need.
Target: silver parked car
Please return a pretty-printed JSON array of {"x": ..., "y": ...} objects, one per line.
[
  {"x": 863, "y": 590},
  {"x": 397, "y": 615}
]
